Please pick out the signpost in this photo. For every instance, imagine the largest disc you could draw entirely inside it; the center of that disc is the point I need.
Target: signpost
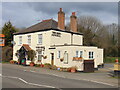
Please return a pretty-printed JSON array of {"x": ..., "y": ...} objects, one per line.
[{"x": 2, "y": 40}]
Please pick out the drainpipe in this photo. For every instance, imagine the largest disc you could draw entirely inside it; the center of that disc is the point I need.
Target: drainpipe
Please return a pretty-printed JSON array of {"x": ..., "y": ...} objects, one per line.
[{"x": 71, "y": 38}]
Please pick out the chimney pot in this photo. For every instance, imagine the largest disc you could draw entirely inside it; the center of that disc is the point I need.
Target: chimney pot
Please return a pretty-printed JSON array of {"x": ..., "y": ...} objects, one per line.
[
  {"x": 60, "y": 9},
  {"x": 73, "y": 13},
  {"x": 73, "y": 22}
]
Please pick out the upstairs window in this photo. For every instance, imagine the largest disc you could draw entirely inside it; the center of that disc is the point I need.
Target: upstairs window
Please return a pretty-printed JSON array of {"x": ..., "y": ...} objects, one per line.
[
  {"x": 91, "y": 55},
  {"x": 77, "y": 54},
  {"x": 29, "y": 39},
  {"x": 39, "y": 38},
  {"x": 81, "y": 53},
  {"x": 20, "y": 40}
]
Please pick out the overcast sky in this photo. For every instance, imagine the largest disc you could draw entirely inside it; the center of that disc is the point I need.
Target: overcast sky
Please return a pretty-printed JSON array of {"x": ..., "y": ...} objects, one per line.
[{"x": 25, "y": 14}]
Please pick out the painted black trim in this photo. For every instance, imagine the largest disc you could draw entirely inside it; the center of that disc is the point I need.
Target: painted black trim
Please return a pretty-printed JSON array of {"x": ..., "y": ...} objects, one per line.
[
  {"x": 19, "y": 33},
  {"x": 52, "y": 48},
  {"x": 70, "y": 45}
]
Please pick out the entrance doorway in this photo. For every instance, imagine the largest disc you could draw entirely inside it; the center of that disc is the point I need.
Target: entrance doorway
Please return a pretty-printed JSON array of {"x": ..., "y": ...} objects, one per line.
[
  {"x": 52, "y": 58},
  {"x": 22, "y": 54}
]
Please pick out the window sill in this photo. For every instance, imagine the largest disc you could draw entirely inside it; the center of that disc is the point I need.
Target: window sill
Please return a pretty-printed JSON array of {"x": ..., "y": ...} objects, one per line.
[
  {"x": 39, "y": 44},
  {"x": 65, "y": 62}
]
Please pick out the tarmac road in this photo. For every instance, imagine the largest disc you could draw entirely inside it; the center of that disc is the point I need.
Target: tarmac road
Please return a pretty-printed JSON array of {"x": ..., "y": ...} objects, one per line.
[{"x": 18, "y": 78}]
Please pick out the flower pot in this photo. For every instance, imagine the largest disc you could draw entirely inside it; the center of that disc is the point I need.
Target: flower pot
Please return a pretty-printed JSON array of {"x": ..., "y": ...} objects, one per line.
[
  {"x": 42, "y": 65},
  {"x": 31, "y": 64},
  {"x": 73, "y": 70}
]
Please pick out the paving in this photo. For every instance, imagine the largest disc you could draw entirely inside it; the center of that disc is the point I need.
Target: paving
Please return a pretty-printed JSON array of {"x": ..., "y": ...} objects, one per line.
[{"x": 97, "y": 79}]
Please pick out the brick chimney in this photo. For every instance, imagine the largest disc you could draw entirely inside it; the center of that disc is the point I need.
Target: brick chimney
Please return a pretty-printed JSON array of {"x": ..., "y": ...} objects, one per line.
[
  {"x": 73, "y": 22},
  {"x": 61, "y": 19}
]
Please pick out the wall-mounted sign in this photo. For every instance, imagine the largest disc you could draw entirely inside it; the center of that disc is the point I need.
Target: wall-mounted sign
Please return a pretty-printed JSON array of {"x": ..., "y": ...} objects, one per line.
[{"x": 57, "y": 34}]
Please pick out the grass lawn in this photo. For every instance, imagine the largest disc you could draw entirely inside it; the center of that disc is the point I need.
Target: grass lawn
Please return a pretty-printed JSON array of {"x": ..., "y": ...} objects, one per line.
[{"x": 110, "y": 59}]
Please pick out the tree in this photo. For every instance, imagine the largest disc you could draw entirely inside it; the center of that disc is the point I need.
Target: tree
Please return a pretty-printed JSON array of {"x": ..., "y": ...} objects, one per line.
[
  {"x": 97, "y": 34},
  {"x": 90, "y": 23},
  {"x": 8, "y": 30},
  {"x": 7, "y": 54},
  {"x": 89, "y": 26}
]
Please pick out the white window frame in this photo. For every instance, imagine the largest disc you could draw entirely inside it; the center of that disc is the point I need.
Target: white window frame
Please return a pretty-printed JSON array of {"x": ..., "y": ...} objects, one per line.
[
  {"x": 40, "y": 38},
  {"x": 20, "y": 40},
  {"x": 77, "y": 53},
  {"x": 29, "y": 39},
  {"x": 59, "y": 54},
  {"x": 91, "y": 54},
  {"x": 81, "y": 54}
]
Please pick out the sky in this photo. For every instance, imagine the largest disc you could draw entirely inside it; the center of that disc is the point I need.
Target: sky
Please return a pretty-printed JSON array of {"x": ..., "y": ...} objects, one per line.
[{"x": 25, "y": 14}]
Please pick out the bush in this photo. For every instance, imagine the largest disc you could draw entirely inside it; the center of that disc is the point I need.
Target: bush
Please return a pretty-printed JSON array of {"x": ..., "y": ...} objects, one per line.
[
  {"x": 7, "y": 54},
  {"x": 37, "y": 65},
  {"x": 110, "y": 59},
  {"x": 47, "y": 65}
]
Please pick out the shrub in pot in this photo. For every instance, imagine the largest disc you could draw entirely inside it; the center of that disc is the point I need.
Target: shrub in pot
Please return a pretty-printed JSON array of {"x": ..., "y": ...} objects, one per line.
[
  {"x": 32, "y": 63},
  {"x": 42, "y": 65},
  {"x": 12, "y": 61},
  {"x": 73, "y": 69}
]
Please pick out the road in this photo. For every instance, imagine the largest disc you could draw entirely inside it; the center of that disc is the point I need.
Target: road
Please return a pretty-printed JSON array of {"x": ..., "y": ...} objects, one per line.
[{"x": 19, "y": 78}]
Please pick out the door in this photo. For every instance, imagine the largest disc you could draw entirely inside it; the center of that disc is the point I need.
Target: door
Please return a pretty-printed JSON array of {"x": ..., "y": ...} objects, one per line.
[
  {"x": 52, "y": 58},
  {"x": 88, "y": 65},
  {"x": 65, "y": 58}
]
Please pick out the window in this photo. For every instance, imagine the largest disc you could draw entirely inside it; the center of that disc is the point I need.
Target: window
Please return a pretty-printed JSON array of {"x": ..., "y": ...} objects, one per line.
[
  {"x": 20, "y": 40},
  {"x": 58, "y": 54},
  {"x": 81, "y": 53},
  {"x": 77, "y": 54},
  {"x": 39, "y": 38},
  {"x": 29, "y": 39},
  {"x": 90, "y": 55}
]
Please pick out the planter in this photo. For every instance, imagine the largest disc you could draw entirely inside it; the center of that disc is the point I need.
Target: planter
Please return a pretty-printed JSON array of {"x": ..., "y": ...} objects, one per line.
[
  {"x": 61, "y": 59},
  {"x": 42, "y": 65},
  {"x": 32, "y": 64},
  {"x": 12, "y": 62},
  {"x": 73, "y": 70}
]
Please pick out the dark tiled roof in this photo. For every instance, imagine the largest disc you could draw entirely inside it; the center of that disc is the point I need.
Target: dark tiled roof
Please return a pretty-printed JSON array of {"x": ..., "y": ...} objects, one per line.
[{"x": 45, "y": 24}]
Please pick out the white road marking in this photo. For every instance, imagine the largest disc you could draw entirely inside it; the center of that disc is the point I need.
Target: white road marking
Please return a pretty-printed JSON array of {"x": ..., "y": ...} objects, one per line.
[
  {"x": 77, "y": 79},
  {"x": 32, "y": 71},
  {"x": 22, "y": 80},
  {"x": 41, "y": 85},
  {"x": 28, "y": 82}
]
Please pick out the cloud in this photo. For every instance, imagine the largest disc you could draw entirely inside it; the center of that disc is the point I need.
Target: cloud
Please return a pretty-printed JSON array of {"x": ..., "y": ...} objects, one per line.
[{"x": 24, "y": 14}]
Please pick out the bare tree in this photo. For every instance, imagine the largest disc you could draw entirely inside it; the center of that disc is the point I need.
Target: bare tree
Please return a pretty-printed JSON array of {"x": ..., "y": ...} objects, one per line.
[{"x": 90, "y": 22}]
